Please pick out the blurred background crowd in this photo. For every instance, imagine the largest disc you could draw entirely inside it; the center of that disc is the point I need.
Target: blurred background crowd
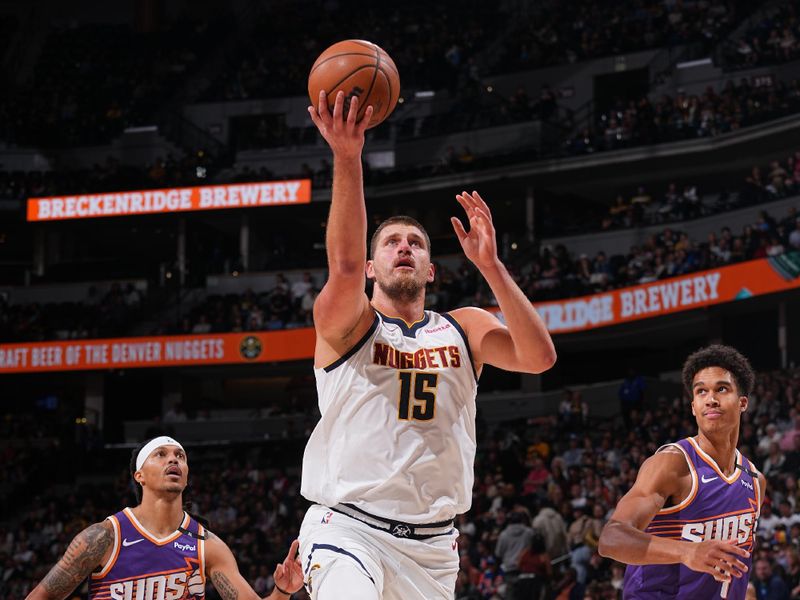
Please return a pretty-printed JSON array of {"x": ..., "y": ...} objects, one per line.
[{"x": 618, "y": 143}]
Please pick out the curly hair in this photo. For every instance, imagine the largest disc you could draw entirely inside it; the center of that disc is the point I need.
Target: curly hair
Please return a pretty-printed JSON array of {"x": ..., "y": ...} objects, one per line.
[{"x": 724, "y": 357}]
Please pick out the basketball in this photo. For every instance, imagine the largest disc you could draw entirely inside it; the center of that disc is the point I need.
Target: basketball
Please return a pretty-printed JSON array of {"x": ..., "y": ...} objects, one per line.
[{"x": 358, "y": 68}]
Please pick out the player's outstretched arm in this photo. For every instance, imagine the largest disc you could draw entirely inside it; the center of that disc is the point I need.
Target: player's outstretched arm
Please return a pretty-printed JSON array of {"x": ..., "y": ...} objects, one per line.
[
  {"x": 229, "y": 583},
  {"x": 88, "y": 551},
  {"x": 341, "y": 312},
  {"x": 624, "y": 539},
  {"x": 523, "y": 344}
]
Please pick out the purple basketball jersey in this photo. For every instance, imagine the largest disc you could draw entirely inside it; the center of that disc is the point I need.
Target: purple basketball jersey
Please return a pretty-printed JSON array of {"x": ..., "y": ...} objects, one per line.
[
  {"x": 717, "y": 508},
  {"x": 143, "y": 567}
]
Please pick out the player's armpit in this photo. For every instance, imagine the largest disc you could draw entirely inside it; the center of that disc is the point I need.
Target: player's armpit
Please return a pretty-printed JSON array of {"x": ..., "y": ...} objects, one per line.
[
  {"x": 340, "y": 320},
  {"x": 87, "y": 551}
]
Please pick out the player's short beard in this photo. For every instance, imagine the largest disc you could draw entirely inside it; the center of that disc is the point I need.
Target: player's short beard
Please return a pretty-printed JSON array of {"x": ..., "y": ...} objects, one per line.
[{"x": 402, "y": 289}]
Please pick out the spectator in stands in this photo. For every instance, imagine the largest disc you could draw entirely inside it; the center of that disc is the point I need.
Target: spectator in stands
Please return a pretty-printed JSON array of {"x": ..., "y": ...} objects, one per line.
[
  {"x": 601, "y": 271},
  {"x": 774, "y": 461},
  {"x": 535, "y": 569},
  {"x": 582, "y": 536},
  {"x": 511, "y": 542},
  {"x": 301, "y": 287},
  {"x": 769, "y": 585},
  {"x": 491, "y": 585}
]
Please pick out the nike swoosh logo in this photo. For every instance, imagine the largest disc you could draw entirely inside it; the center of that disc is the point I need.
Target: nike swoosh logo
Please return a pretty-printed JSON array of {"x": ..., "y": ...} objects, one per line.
[
  {"x": 704, "y": 480},
  {"x": 126, "y": 543}
]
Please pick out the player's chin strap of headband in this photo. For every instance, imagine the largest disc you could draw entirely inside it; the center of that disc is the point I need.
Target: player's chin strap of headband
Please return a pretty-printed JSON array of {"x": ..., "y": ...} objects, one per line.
[{"x": 752, "y": 474}]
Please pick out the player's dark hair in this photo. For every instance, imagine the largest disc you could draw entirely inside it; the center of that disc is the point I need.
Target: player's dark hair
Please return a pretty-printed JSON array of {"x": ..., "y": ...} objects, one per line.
[
  {"x": 724, "y": 357},
  {"x": 137, "y": 487},
  {"x": 402, "y": 220}
]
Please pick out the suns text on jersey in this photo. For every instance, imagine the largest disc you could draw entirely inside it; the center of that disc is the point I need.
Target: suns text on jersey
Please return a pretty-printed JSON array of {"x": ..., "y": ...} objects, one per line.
[
  {"x": 424, "y": 358},
  {"x": 172, "y": 586},
  {"x": 733, "y": 527}
]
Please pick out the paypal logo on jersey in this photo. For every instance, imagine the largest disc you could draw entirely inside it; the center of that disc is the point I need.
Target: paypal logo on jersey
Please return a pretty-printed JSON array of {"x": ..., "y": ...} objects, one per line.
[
  {"x": 185, "y": 547},
  {"x": 747, "y": 484}
]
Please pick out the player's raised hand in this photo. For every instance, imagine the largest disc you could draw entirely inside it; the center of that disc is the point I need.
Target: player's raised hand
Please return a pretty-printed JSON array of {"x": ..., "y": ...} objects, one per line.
[
  {"x": 344, "y": 135},
  {"x": 718, "y": 559},
  {"x": 288, "y": 575},
  {"x": 480, "y": 242}
]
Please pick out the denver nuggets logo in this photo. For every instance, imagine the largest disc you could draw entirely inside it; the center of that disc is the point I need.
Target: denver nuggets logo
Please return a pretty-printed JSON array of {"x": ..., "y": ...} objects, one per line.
[
  {"x": 250, "y": 347},
  {"x": 401, "y": 531},
  {"x": 314, "y": 567}
]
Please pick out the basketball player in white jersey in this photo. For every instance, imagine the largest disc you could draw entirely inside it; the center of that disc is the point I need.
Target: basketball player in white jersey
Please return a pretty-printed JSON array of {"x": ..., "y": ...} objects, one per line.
[{"x": 390, "y": 463}]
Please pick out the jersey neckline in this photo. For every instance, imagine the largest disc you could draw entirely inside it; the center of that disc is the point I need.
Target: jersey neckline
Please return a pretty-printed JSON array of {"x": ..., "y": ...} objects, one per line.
[
  {"x": 156, "y": 540},
  {"x": 408, "y": 329},
  {"x": 705, "y": 457}
]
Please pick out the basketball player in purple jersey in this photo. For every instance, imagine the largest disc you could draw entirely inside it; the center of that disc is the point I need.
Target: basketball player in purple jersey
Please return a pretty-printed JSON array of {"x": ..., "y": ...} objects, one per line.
[
  {"x": 686, "y": 528},
  {"x": 156, "y": 551}
]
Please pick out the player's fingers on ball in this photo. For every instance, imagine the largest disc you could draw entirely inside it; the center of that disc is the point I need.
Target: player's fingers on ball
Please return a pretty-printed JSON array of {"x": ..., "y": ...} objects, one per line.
[
  {"x": 338, "y": 106},
  {"x": 312, "y": 112},
  {"x": 323, "y": 103},
  {"x": 363, "y": 124},
  {"x": 352, "y": 113}
]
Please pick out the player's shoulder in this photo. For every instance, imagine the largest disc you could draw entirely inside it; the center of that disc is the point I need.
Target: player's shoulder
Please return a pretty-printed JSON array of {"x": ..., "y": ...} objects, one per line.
[
  {"x": 668, "y": 459},
  {"x": 95, "y": 543},
  {"x": 469, "y": 316},
  {"x": 470, "y": 312},
  {"x": 99, "y": 531},
  {"x": 665, "y": 472}
]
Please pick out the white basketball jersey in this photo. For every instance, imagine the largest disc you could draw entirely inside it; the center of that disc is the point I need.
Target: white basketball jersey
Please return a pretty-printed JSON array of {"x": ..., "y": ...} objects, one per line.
[{"x": 397, "y": 433}]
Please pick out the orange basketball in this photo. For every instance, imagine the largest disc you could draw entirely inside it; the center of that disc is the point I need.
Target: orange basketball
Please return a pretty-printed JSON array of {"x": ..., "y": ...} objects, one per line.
[{"x": 361, "y": 69}]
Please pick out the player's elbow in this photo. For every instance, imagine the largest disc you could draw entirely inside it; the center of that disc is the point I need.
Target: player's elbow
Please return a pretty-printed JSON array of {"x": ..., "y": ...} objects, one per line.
[
  {"x": 608, "y": 542},
  {"x": 544, "y": 361},
  {"x": 549, "y": 358}
]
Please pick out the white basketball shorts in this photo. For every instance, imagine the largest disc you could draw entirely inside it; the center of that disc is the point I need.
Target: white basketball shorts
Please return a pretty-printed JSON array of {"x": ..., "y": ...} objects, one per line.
[{"x": 345, "y": 558}]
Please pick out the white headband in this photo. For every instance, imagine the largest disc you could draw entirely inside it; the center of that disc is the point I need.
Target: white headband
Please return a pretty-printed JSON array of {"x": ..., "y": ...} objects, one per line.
[{"x": 152, "y": 445}]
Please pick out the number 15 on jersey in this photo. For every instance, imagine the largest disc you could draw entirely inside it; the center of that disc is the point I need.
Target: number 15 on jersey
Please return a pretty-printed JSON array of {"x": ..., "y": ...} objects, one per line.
[{"x": 417, "y": 395}]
